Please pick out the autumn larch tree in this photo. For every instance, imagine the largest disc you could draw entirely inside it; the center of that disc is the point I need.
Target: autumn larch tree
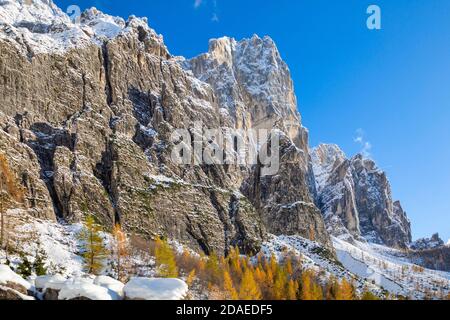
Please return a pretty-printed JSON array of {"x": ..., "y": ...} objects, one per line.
[
  {"x": 249, "y": 289},
  {"x": 93, "y": 249},
  {"x": 119, "y": 251},
  {"x": 165, "y": 259}
]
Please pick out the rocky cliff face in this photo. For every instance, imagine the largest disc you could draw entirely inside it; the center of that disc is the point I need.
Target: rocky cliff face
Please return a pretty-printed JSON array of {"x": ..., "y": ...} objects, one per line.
[
  {"x": 87, "y": 111},
  {"x": 355, "y": 199},
  {"x": 254, "y": 87}
]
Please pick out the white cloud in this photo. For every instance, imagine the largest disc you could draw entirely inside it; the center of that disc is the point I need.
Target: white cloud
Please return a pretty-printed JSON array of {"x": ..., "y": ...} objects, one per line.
[
  {"x": 197, "y": 3},
  {"x": 366, "y": 146}
]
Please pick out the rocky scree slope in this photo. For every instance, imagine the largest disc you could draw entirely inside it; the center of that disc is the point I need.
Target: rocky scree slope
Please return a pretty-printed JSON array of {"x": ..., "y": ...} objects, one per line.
[{"x": 88, "y": 108}]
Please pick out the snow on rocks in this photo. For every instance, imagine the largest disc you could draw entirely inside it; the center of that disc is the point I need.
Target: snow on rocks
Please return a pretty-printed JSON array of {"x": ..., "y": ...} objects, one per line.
[
  {"x": 114, "y": 286},
  {"x": 10, "y": 278},
  {"x": 85, "y": 289},
  {"x": 155, "y": 289},
  {"x": 55, "y": 282},
  {"x": 13, "y": 286},
  {"x": 39, "y": 26}
]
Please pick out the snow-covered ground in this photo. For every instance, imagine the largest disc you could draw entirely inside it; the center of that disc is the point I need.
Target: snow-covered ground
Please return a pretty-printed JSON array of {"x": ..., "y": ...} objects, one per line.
[
  {"x": 373, "y": 266},
  {"x": 379, "y": 268},
  {"x": 391, "y": 269}
]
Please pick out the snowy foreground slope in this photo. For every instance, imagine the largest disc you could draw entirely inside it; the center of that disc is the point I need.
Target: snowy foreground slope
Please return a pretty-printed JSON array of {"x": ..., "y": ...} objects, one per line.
[{"x": 380, "y": 269}]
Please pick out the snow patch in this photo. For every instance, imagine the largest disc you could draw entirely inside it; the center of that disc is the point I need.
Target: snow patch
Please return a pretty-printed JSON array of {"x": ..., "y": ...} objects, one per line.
[{"x": 155, "y": 289}]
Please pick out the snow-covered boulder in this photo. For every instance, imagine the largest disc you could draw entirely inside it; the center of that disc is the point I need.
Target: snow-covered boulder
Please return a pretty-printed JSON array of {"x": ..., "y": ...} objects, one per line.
[
  {"x": 7, "y": 293},
  {"x": 114, "y": 286},
  {"x": 50, "y": 286},
  {"x": 84, "y": 289},
  {"x": 155, "y": 289},
  {"x": 9, "y": 278}
]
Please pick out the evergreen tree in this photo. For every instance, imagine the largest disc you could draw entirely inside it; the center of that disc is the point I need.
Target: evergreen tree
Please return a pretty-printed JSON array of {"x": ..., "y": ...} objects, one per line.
[
  {"x": 249, "y": 289},
  {"x": 92, "y": 247},
  {"x": 39, "y": 263},
  {"x": 165, "y": 259},
  {"x": 25, "y": 268}
]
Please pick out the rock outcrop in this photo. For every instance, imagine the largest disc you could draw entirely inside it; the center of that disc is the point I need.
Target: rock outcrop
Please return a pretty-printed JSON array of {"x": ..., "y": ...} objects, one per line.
[
  {"x": 427, "y": 243},
  {"x": 355, "y": 198}
]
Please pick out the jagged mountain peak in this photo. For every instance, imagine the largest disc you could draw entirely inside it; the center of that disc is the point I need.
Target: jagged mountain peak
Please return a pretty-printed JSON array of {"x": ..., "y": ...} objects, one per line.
[
  {"x": 428, "y": 243},
  {"x": 14, "y": 12},
  {"x": 40, "y": 27},
  {"x": 356, "y": 200}
]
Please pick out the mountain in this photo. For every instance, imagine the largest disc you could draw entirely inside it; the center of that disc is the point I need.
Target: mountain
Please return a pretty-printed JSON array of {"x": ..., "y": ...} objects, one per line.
[
  {"x": 355, "y": 198},
  {"x": 427, "y": 243},
  {"x": 93, "y": 113},
  {"x": 89, "y": 109}
]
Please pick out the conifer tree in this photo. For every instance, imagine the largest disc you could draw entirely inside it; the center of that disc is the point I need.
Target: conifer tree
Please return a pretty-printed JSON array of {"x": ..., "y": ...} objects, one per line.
[
  {"x": 249, "y": 289},
  {"x": 279, "y": 286},
  {"x": 228, "y": 287},
  {"x": 212, "y": 267},
  {"x": 316, "y": 292},
  {"x": 332, "y": 289},
  {"x": 93, "y": 249},
  {"x": 25, "y": 267},
  {"x": 191, "y": 277},
  {"x": 292, "y": 290},
  {"x": 119, "y": 251},
  {"x": 306, "y": 286},
  {"x": 39, "y": 263},
  {"x": 165, "y": 259},
  {"x": 367, "y": 295},
  {"x": 345, "y": 291}
]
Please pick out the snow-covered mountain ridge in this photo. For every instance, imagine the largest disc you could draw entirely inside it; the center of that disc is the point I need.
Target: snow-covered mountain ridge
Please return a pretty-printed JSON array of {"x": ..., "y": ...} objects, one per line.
[{"x": 39, "y": 26}]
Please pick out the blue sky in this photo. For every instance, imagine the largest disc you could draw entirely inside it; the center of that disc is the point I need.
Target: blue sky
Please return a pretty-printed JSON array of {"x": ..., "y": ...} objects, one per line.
[{"x": 389, "y": 88}]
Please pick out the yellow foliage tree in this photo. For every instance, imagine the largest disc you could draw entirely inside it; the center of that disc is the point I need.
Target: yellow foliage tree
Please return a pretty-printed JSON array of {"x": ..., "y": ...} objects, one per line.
[
  {"x": 92, "y": 245},
  {"x": 191, "y": 277},
  {"x": 165, "y": 259},
  {"x": 292, "y": 290},
  {"x": 119, "y": 251},
  {"x": 306, "y": 286},
  {"x": 345, "y": 291},
  {"x": 279, "y": 286},
  {"x": 230, "y": 291},
  {"x": 213, "y": 268},
  {"x": 249, "y": 289}
]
